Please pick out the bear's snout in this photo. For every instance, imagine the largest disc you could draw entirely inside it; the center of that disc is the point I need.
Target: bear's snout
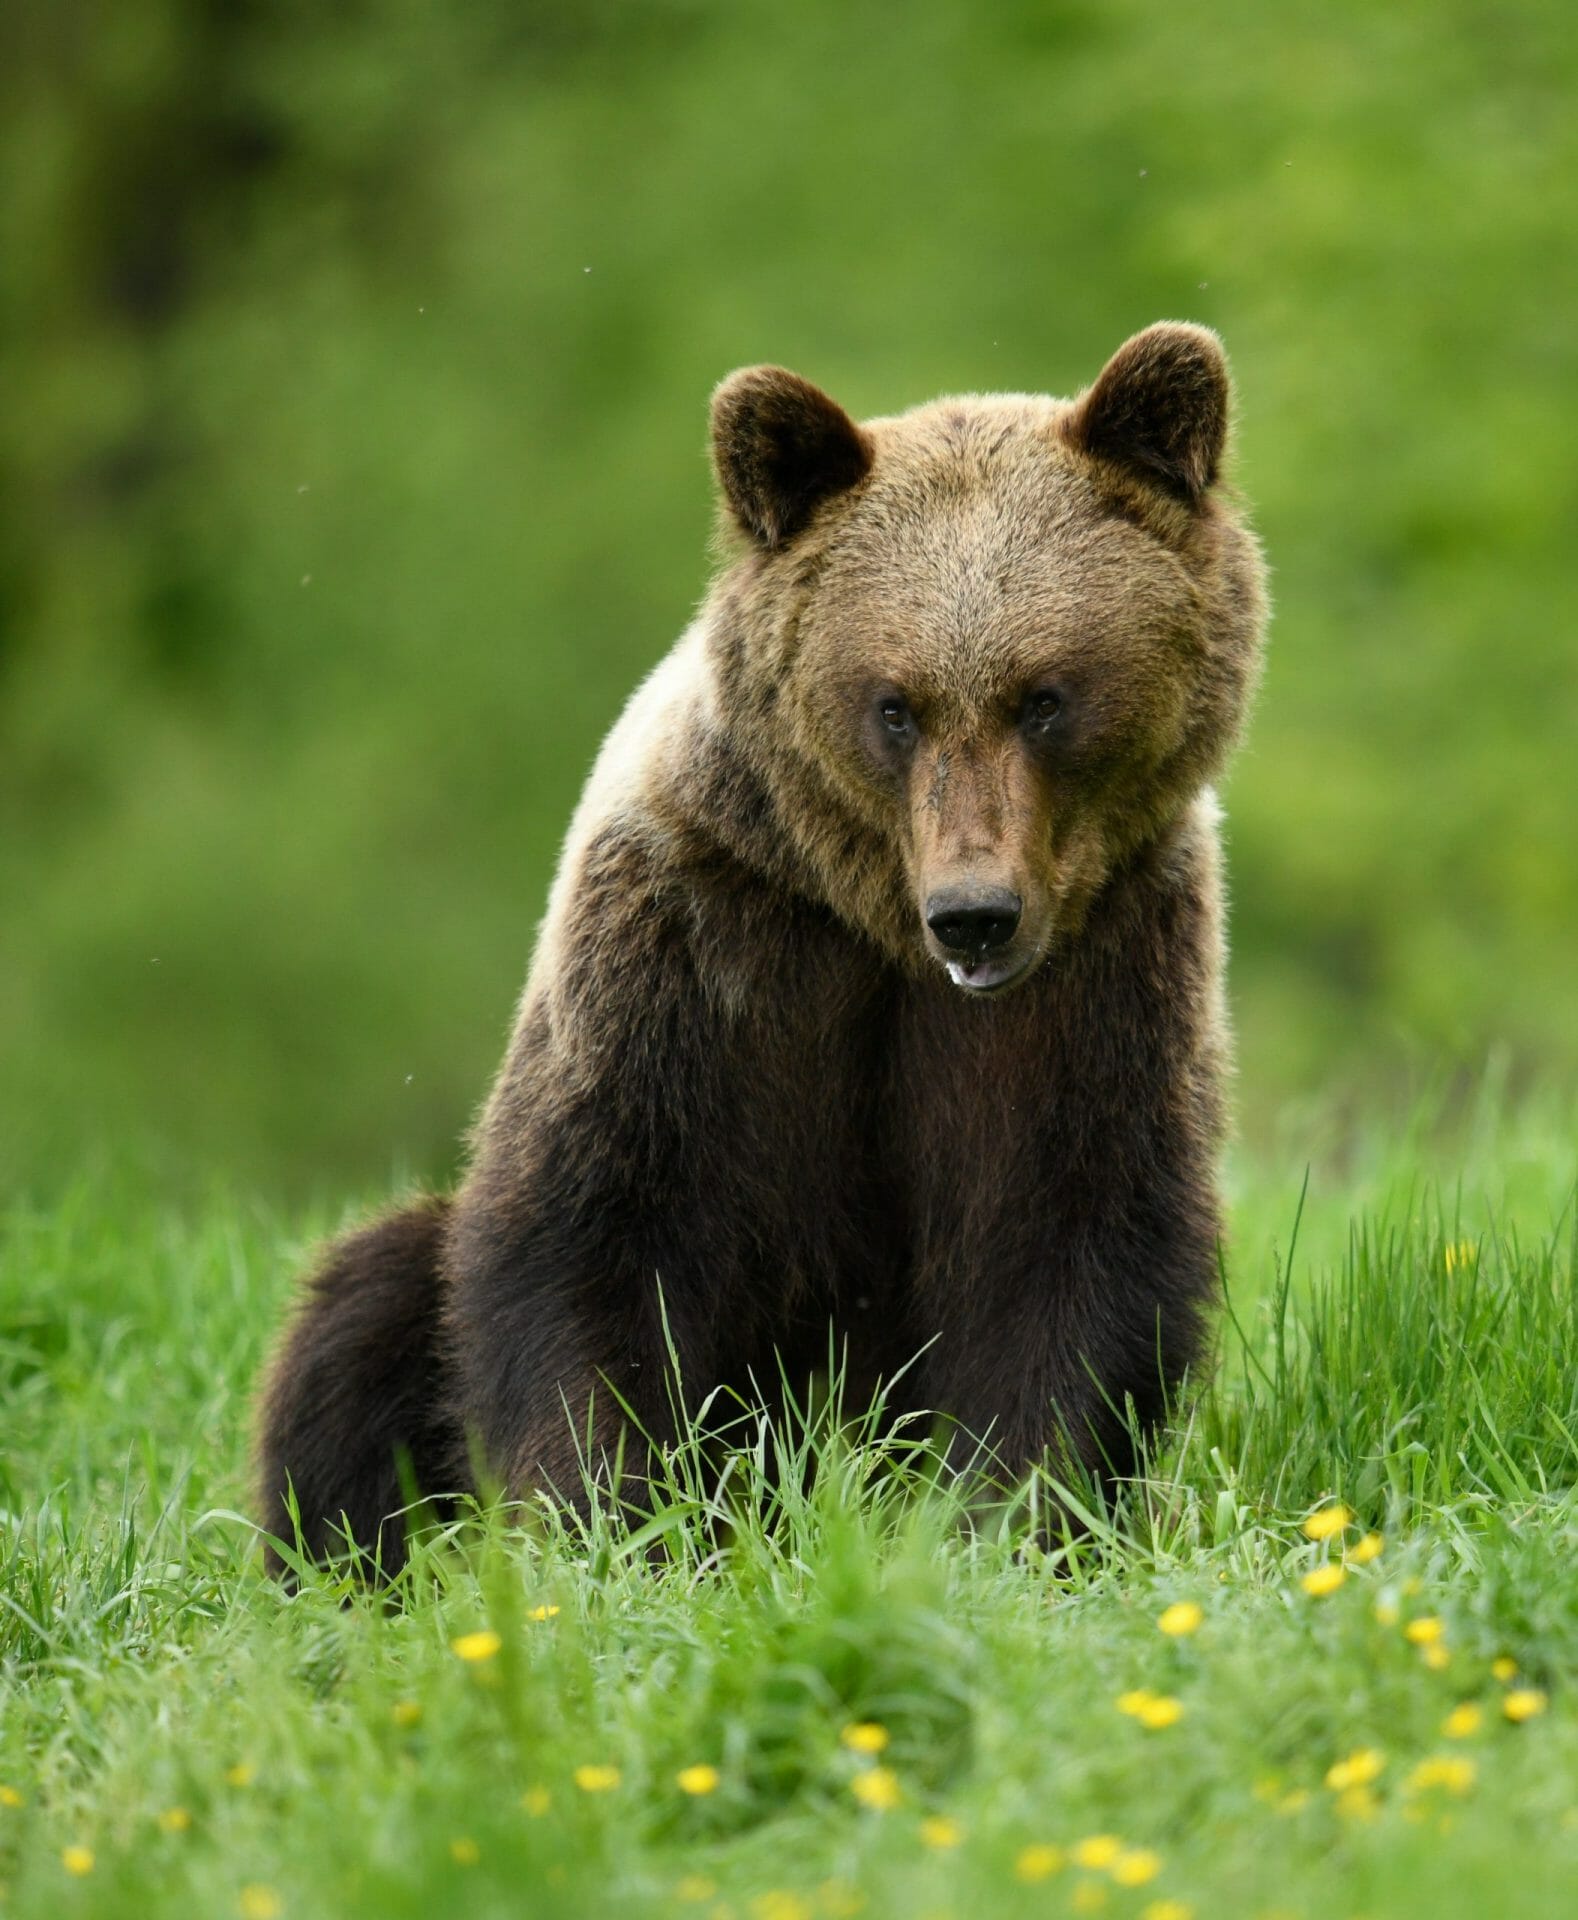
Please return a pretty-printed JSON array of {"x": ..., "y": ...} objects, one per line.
[{"x": 974, "y": 921}]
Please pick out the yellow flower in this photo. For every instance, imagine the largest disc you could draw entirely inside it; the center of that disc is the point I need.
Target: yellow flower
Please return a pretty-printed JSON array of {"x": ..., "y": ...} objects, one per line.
[
  {"x": 697, "y": 1780},
  {"x": 1038, "y": 1862},
  {"x": 1424, "y": 1632},
  {"x": 1458, "y": 1253},
  {"x": 1098, "y": 1852},
  {"x": 9, "y": 1797},
  {"x": 1326, "y": 1523},
  {"x": 864, "y": 1736},
  {"x": 776, "y": 1905},
  {"x": 1437, "y": 1657},
  {"x": 1462, "y": 1721},
  {"x": 1182, "y": 1618},
  {"x": 1090, "y": 1896},
  {"x": 1320, "y": 1581},
  {"x": 1135, "y": 1701},
  {"x": 1362, "y": 1766},
  {"x": 938, "y": 1831},
  {"x": 77, "y": 1860},
  {"x": 1356, "y": 1803},
  {"x": 1523, "y": 1703},
  {"x": 1167, "y": 1910},
  {"x": 596, "y": 1779},
  {"x": 877, "y": 1788},
  {"x": 1362, "y": 1552},
  {"x": 695, "y": 1886},
  {"x": 1161, "y": 1710},
  {"x": 464, "y": 1852},
  {"x": 406, "y": 1713},
  {"x": 260, "y": 1903},
  {"x": 242, "y": 1774},
  {"x": 1505, "y": 1668},
  {"x": 482, "y": 1645},
  {"x": 174, "y": 1820},
  {"x": 1449, "y": 1770},
  {"x": 536, "y": 1801},
  {"x": 1135, "y": 1866},
  {"x": 542, "y": 1613}
]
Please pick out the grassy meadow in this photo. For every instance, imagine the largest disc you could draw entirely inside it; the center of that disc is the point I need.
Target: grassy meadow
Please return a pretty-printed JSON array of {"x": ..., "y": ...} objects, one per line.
[{"x": 818, "y": 1694}]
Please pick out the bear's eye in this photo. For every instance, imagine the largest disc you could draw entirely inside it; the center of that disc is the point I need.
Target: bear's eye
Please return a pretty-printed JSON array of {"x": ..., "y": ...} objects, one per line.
[
  {"x": 895, "y": 717},
  {"x": 1044, "y": 707}
]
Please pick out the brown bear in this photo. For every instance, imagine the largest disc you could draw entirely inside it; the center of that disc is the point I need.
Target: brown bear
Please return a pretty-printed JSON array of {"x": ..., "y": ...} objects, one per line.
[{"x": 879, "y": 995}]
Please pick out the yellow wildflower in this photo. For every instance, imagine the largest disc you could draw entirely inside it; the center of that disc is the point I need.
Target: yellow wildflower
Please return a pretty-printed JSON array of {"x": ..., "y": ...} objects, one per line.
[
  {"x": 697, "y": 1780},
  {"x": 536, "y": 1801},
  {"x": 1161, "y": 1710},
  {"x": 1090, "y": 1896},
  {"x": 77, "y": 1860},
  {"x": 1361, "y": 1766},
  {"x": 1135, "y": 1866},
  {"x": 1098, "y": 1852},
  {"x": 542, "y": 1613},
  {"x": 1135, "y": 1701},
  {"x": 1449, "y": 1770},
  {"x": 9, "y": 1797},
  {"x": 1505, "y": 1668},
  {"x": 939, "y": 1831},
  {"x": 1362, "y": 1552},
  {"x": 877, "y": 1788},
  {"x": 464, "y": 1852},
  {"x": 260, "y": 1903},
  {"x": 1463, "y": 1720},
  {"x": 777, "y": 1905},
  {"x": 406, "y": 1713},
  {"x": 1458, "y": 1253},
  {"x": 482, "y": 1645},
  {"x": 1424, "y": 1632},
  {"x": 1324, "y": 1579},
  {"x": 1523, "y": 1703},
  {"x": 1167, "y": 1910},
  {"x": 1038, "y": 1862},
  {"x": 1183, "y": 1617},
  {"x": 1328, "y": 1522},
  {"x": 242, "y": 1774},
  {"x": 1356, "y": 1803},
  {"x": 594, "y": 1779},
  {"x": 1436, "y": 1657},
  {"x": 695, "y": 1886},
  {"x": 865, "y": 1736},
  {"x": 174, "y": 1820}
]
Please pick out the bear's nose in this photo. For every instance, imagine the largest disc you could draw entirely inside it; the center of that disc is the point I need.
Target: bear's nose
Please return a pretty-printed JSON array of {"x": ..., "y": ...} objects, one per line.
[{"x": 973, "y": 919}]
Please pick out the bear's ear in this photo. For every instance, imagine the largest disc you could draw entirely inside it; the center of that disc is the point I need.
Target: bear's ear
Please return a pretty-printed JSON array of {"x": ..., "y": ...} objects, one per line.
[
  {"x": 1159, "y": 408},
  {"x": 780, "y": 446}
]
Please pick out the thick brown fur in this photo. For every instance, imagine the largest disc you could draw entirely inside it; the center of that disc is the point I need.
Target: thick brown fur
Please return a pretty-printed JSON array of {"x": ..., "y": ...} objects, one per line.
[{"x": 996, "y": 648}]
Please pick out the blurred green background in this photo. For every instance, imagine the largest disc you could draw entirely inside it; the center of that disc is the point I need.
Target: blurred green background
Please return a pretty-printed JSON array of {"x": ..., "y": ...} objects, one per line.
[{"x": 353, "y": 469}]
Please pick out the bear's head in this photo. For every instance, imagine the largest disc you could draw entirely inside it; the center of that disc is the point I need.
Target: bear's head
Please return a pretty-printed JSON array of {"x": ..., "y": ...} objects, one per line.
[{"x": 984, "y": 652}]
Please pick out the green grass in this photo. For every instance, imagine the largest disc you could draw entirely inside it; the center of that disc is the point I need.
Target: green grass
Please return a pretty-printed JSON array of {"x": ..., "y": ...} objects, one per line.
[{"x": 143, "y": 1658}]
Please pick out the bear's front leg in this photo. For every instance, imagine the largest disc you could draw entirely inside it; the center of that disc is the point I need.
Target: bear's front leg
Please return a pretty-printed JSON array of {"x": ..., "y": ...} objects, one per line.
[
  {"x": 1061, "y": 1173},
  {"x": 669, "y": 1168}
]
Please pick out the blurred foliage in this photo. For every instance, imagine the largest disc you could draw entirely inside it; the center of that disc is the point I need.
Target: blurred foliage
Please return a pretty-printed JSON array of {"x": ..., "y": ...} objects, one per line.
[{"x": 353, "y": 470}]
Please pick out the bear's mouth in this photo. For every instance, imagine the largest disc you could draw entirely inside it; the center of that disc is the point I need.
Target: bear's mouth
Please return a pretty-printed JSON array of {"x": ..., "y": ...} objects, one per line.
[{"x": 988, "y": 973}]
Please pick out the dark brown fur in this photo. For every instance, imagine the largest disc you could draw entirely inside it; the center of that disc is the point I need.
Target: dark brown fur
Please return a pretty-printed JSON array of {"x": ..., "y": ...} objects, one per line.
[{"x": 745, "y": 1099}]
